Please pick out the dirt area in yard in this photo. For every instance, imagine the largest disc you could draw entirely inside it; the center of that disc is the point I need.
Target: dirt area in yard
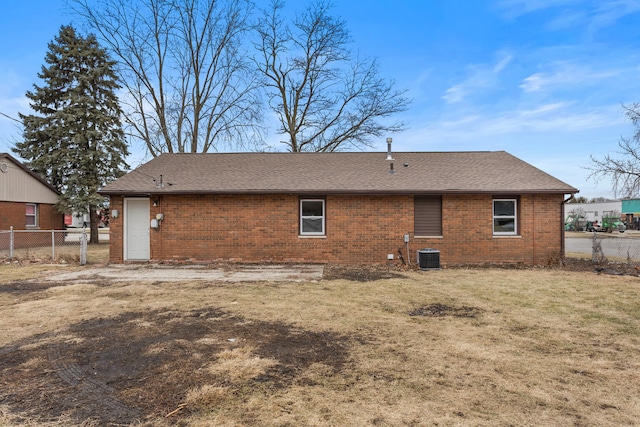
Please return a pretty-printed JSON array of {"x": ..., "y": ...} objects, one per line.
[
  {"x": 366, "y": 273},
  {"x": 571, "y": 264},
  {"x": 150, "y": 361},
  {"x": 615, "y": 268},
  {"x": 141, "y": 366}
]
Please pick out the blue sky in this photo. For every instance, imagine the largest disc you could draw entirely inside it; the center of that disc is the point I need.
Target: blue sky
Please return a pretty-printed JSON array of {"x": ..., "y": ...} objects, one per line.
[{"x": 542, "y": 79}]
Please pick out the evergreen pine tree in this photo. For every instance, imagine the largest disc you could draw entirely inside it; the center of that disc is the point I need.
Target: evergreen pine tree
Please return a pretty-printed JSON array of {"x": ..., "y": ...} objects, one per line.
[{"x": 75, "y": 139}]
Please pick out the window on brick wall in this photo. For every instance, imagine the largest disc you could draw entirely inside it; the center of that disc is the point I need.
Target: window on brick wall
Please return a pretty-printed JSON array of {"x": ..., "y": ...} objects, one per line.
[
  {"x": 32, "y": 215},
  {"x": 427, "y": 216},
  {"x": 505, "y": 217},
  {"x": 312, "y": 219}
]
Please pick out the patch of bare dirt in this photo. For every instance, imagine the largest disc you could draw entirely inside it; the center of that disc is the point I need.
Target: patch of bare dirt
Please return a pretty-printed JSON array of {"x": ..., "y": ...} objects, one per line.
[
  {"x": 361, "y": 273},
  {"x": 26, "y": 286},
  {"x": 567, "y": 264},
  {"x": 137, "y": 366},
  {"x": 442, "y": 310},
  {"x": 615, "y": 268},
  {"x": 31, "y": 289}
]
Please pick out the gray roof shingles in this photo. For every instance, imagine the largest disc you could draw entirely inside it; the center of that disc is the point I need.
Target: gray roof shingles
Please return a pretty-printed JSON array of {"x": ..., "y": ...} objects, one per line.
[{"x": 495, "y": 172}]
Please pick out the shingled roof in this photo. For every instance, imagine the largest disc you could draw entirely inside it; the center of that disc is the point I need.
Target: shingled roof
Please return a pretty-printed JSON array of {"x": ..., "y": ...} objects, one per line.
[{"x": 496, "y": 172}]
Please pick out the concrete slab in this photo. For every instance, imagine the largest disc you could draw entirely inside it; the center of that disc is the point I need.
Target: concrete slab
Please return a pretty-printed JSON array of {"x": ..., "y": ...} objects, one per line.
[{"x": 156, "y": 273}]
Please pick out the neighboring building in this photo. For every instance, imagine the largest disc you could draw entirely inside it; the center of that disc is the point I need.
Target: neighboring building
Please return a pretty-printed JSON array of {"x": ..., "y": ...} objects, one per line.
[
  {"x": 631, "y": 212},
  {"x": 594, "y": 212},
  {"x": 27, "y": 201},
  {"x": 346, "y": 208}
]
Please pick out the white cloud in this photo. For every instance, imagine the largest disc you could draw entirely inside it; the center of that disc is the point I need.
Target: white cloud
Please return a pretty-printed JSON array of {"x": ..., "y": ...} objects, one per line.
[
  {"x": 516, "y": 8},
  {"x": 546, "y": 118},
  {"x": 482, "y": 76},
  {"x": 454, "y": 94},
  {"x": 556, "y": 137},
  {"x": 502, "y": 63},
  {"x": 607, "y": 13},
  {"x": 543, "y": 109},
  {"x": 592, "y": 14},
  {"x": 565, "y": 75},
  {"x": 568, "y": 20},
  {"x": 534, "y": 83},
  {"x": 482, "y": 130}
]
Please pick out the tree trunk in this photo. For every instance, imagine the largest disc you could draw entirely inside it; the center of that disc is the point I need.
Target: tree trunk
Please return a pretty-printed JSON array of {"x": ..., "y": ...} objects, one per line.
[{"x": 93, "y": 223}]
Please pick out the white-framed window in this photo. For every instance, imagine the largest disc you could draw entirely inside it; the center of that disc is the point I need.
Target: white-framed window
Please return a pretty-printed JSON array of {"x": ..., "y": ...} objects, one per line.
[
  {"x": 312, "y": 217},
  {"x": 31, "y": 215},
  {"x": 505, "y": 217}
]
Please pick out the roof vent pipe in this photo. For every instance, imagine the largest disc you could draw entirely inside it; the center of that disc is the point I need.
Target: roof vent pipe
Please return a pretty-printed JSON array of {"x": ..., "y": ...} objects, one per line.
[{"x": 389, "y": 156}]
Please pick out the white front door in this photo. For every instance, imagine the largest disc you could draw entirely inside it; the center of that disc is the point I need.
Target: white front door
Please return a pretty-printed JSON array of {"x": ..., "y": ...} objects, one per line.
[{"x": 136, "y": 230}]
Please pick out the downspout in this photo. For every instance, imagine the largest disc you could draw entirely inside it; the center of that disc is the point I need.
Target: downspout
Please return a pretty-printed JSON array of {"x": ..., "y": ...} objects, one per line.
[
  {"x": 562, "y": 245},
  {"x": 535, "y": 229}
]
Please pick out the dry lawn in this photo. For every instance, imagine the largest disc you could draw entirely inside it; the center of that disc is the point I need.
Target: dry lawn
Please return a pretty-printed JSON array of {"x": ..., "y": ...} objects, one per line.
[
  {"x": 64, "y": 255},
  {"x": 455, "y": 347}
]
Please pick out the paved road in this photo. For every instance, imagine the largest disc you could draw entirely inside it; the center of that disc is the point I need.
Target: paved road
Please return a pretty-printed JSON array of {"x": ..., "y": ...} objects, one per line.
[
  {"x": 73, "y": 235},
  {"x": 613, "y": 246}
]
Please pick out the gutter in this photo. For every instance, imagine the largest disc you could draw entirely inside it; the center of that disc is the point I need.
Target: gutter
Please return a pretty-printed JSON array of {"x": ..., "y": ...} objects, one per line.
[{"x": 413, "y": 192}]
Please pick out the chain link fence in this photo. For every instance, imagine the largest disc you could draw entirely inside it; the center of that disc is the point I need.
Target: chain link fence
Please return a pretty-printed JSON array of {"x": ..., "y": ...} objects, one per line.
[
  {"x": 615, "y": 255},
  {"x": 623, "y": 249},
  {"x": 38, "y": 245},
  {"x": 605, "y": 246}
]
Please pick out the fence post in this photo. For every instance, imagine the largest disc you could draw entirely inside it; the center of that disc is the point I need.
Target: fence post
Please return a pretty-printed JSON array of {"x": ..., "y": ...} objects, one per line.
[
  {"x": 11, "y": 242},
  {"x": 53, "y": 245},
  {"x": 83, "y": 248},
  {"x": 597, "y": 255}
]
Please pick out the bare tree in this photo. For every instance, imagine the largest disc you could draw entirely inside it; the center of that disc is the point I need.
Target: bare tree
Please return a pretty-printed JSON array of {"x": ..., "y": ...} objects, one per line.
[
  {"x": 188, "y": 81},
  {"x": 576, "y": 220},
  {"x": 623, "y": 169},
  {"x": 325, "y": 97}
]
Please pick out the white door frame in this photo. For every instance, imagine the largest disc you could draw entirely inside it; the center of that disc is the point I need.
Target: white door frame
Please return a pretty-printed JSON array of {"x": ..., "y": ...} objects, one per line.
[{"x": 143, "y": 236}]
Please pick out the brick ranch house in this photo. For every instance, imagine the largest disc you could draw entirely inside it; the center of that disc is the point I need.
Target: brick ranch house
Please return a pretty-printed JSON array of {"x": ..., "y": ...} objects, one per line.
[
  {"x": 347, "y": 208},
  {"x": 27, "y": 201}
]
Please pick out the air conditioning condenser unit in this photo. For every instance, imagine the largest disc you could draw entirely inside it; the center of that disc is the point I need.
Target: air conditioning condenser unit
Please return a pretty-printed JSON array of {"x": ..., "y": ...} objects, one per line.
[{"x": 429, "y": 259}]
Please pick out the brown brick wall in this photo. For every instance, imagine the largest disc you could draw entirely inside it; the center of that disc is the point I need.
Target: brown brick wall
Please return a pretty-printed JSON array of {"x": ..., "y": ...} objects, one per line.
[
  {"x": 13, "y": 214},
  {"x": 116, "y": 230},
  {"x": 359, "y": 229},
  {"x": 467, "y": 234}
]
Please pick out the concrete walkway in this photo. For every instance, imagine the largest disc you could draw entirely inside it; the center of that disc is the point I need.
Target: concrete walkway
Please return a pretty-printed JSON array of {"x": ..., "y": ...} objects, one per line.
[{"x": 161, "y": 273}]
